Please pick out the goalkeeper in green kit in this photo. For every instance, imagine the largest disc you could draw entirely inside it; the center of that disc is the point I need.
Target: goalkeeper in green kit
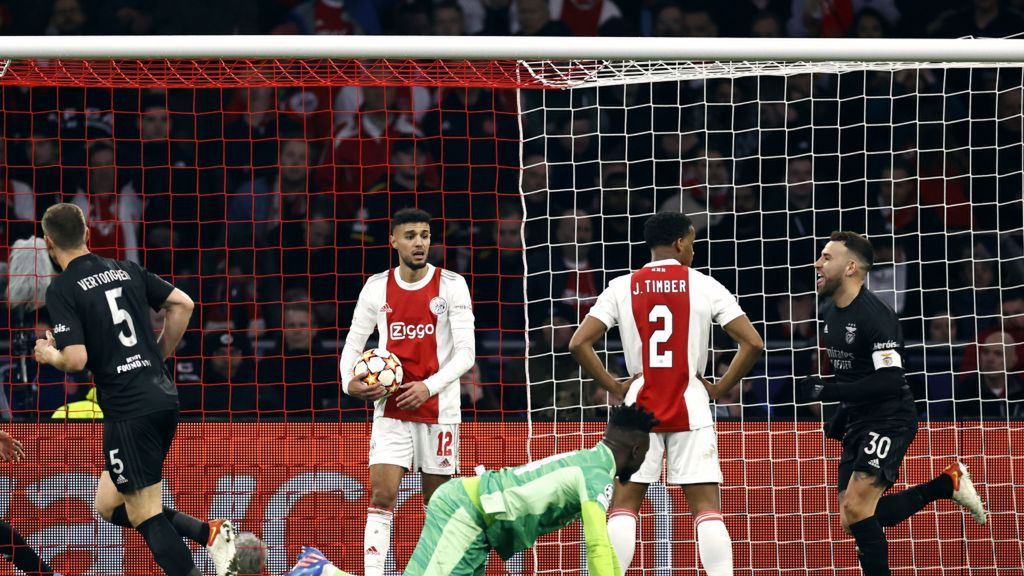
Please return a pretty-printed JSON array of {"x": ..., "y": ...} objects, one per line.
[{"x": 508, "y": 509}]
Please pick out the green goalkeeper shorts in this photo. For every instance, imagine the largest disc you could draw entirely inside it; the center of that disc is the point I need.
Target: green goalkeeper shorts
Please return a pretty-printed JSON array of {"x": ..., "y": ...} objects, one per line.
[{"x": 453, "y": 541}]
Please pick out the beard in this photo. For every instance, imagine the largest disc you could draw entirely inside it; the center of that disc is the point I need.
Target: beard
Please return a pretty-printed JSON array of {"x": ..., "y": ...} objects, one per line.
[
  {"x": 829, "y": 287},
  {"x": 626, "y": 474},
  {"x": 413, "y": 265}
]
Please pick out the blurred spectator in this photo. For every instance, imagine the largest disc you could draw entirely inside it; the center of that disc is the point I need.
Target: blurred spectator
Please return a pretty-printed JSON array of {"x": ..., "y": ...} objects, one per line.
[
  {"x": 18, "y": 200},
  {"x": 993, "y": 393},
  {"x": 744, "y": 401},
  {"x": 941, "y": 329},
  {"x": 68, "y": 19},
  {"x": 411, "y": 19},
  {"x": 699, "y": 21},
  {"x": 869, "y": 23},
  {"x": 888, "y": 277},
  {"x": 301, "y": 371},
  {"x": 448, "y": 19},
  {"x": 828, "y": 19},
  {"x": 367, "y": 121},
  {"x": 576, "y": 268},
  {"x": 228, "y": 380},
  {"x": 46, "y": 168},
  {"x": 496, "y": 274},
  {"x": 555, "y": 390},
  {"x": 269, "y": 211},
  {"x": 536, "y": 18},
  {"x": 669, "y": 21},
  {"x": 476, "y": 396},
  {"x": 111, "y": 205},
  {"x": 978, "y": 19},
  {"x": 766, "y": 25},
  {"x": 331, "y": 17}
]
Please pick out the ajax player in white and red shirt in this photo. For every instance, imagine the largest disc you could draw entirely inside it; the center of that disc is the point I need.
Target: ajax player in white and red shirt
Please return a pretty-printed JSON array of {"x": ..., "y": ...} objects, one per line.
[
  {"x": 664, "y": 312},
  {"x": 424, "y": 315}
]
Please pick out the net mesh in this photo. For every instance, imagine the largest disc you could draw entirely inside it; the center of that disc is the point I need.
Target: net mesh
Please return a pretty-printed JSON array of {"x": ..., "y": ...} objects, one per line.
[
  {"x": 263, "y": 189},
  {"x": 926, "y": 162}
]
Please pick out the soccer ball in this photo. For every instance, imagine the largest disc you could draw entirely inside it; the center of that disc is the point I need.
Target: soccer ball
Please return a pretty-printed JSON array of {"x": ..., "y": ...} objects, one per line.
[{"x": 383, "y": 368}]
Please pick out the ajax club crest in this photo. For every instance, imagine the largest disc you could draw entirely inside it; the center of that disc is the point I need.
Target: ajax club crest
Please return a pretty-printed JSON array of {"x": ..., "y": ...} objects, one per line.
[{"x": 438, "y": 305}]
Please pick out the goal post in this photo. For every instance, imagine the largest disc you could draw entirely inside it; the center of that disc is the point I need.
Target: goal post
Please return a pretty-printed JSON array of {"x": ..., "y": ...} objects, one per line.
[{"x": 279, "y": 159}]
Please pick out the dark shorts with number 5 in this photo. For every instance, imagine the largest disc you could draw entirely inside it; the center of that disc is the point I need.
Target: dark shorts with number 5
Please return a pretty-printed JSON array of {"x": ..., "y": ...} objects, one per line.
[
  {"x": 134, "y": 450},
  {"x": 877, "y": 448}
]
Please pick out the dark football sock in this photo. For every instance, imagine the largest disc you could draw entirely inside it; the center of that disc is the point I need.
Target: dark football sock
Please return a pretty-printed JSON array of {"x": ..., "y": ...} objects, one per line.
[
  {"x": 14, "y": 547},
  {"x": 872, "y": 547},
  {"x": 896, "y": 508},
  {"x": 187, "y": 526},
  {"x": 168, "y": 549}
]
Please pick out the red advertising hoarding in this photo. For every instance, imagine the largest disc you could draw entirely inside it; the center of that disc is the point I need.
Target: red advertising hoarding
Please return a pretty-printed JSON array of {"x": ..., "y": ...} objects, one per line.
[{"x": 301, "y": 484}]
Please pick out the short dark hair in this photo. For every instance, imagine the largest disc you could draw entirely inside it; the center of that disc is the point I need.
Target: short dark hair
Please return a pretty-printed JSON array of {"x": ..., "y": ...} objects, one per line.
[
  {"x": 64, "y": 224},
  {"x": 664, "y": 228},
  {"x": 857, "y": 244},
  {"x": 409, "y": 216},
  {"x": 632, "y": 418}
]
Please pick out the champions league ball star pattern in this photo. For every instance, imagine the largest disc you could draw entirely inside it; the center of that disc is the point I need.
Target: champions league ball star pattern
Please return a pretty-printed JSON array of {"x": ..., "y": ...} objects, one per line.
[{"x": 383, "y": 368}]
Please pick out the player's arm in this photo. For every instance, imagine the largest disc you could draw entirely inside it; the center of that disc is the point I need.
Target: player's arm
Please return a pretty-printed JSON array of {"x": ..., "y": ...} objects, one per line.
[
  {"x": 463, "y": 327},
  {"x": 750, "y": 347},
  {"x": 582, "y": 349},
  {"x": 67, "y": 354},
  {"x": 364, "y": 320},
  {"x": 601, "y": 559},
  {"x": 599, "y": 320},
  {"x": 178, "y": 309}
]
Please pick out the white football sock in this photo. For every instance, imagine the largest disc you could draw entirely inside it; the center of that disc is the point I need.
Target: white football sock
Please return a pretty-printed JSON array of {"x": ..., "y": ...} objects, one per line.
[
  {"x": 713, "y": 543},
  {"x": 376, "y": 541},
  {"x": 622, "y": 533}
]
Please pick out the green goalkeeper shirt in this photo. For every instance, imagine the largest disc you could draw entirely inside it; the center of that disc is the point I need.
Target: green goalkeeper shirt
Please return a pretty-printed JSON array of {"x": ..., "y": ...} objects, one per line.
[{"x": 522, "y": 504}]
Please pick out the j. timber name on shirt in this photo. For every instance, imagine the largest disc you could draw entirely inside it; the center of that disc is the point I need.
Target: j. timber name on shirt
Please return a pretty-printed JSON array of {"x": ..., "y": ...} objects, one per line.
[
  {"x": 103, "y": 278},
  {"x": 659, "y": 286}
]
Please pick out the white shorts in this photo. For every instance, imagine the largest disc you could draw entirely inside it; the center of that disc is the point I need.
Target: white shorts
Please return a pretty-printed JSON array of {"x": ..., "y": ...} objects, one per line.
[
  {"x": 415, "y": 446},
  {"x": 692, "y": 458}
]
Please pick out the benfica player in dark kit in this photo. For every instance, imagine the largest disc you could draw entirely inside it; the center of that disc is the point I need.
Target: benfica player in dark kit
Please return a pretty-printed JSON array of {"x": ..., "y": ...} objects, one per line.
[
  {"x": 99, "y": 308},
  {"x": 876, "y": 420}
]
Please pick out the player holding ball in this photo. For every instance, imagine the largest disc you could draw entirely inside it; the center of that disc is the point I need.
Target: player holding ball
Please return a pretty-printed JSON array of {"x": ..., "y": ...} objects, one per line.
[{"x": 424, "y": 316}]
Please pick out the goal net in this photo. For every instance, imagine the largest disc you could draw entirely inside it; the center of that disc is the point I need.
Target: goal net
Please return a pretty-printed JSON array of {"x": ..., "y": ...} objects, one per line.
[{"x": 259, "y": 176}]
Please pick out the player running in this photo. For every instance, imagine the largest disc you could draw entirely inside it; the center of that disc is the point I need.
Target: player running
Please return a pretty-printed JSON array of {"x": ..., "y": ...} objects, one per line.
[
  {"x": 509, "y": 509},
  {"x": 101, "y": 321},
  {"x": 664, "y": 312},
  {"x": 877, "y": 420},
  {"x": 424, "y": 315}
]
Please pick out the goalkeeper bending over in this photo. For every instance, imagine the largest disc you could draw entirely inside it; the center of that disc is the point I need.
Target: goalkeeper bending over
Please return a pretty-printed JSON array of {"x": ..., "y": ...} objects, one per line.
[{"x": 508, "y": 509}]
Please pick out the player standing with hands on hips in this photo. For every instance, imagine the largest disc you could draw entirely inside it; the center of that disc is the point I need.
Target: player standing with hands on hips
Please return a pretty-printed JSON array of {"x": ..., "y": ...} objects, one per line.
[
  {"x": 877, "y": 420},
  {"x": 99, "y": 308},
  {"x": 424, "y": 315},
  {"x": 664, "y": 312}
]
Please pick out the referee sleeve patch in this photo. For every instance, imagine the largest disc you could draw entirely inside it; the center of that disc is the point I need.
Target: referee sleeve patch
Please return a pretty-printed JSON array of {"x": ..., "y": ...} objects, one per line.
[{"x": 886, "y": 359}]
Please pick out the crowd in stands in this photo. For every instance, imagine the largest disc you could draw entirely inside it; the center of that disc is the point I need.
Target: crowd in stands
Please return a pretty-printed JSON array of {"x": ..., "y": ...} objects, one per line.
[{"x": 270, "y": 206}]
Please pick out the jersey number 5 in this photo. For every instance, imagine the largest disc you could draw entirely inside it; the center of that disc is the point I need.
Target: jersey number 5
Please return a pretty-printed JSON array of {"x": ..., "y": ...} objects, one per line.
[
  {"x": 119, "y": 315},
  {"x": 656, "y": 359}
]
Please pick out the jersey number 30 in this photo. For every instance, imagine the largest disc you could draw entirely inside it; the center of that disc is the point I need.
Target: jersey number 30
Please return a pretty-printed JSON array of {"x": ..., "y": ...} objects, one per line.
[
  {"x": 119, "y": 315},
  {"x": 663, "y": 359}
]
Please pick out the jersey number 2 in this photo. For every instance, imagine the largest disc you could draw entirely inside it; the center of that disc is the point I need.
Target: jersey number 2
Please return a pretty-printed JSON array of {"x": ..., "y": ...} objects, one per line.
[
  {"x": 119, "y": 315},
  {"x": 656, "y": 359}
]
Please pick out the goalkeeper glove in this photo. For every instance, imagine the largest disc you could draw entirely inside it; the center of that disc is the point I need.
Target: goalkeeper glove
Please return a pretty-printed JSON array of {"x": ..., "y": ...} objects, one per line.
[{"x": 814, "y": 389}]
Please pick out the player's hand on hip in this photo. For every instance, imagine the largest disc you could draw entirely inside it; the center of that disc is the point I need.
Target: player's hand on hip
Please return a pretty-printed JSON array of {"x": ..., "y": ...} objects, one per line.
[
  {"x": 10, "y": 448},
  {"x": 713, "y": 391},
  {"x": 618, "y": 394},
  {"x": 810, "y": 389},
  {"x": 358, "y": 388},
  {"x": 413, "y": 395}
]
